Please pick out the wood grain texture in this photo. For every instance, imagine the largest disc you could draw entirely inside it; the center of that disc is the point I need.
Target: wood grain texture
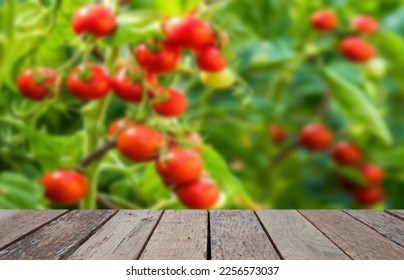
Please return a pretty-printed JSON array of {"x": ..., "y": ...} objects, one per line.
[
  {"x": 180, "y": 235},
  {"x": 356, "y": 239},
  {"x": 121, "y": 238},
  {"x": 385, "y": 224},
  {"x": 58, "y": 239},
  {"x": 238, "y": 235},
  {"x": 15, "y": 224},
  {"x": 397, "y": 213},
  {"x": 296, "y": 238}
]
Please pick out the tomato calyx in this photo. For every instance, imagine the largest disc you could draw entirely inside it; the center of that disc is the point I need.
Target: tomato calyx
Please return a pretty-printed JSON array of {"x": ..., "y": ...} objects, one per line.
[{"x": 85, "y": 73}]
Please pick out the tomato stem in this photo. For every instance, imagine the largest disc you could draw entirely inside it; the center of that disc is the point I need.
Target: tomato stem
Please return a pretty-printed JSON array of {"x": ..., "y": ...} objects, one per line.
[{"x": 94, "y": 116}]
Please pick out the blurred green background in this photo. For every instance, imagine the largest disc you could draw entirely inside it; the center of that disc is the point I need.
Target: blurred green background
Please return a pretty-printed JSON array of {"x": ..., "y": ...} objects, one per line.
[{"x": 283, "y": 66}]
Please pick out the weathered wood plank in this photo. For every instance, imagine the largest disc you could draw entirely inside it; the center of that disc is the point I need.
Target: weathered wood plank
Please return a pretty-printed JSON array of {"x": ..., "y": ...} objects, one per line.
[
  {"x": 180, "y": 235},
  {"x": 397, "y": 213},
  {"x": 296, "y": 238},
  {"x": 356, "y": 239},
  {"x": 15, "y": 224},
  {"x": 239, "y": 235},
  {"x": 58, "y": 239},
  {"x": 122, "y": 238},
  {"x": 385, "y": 224}
]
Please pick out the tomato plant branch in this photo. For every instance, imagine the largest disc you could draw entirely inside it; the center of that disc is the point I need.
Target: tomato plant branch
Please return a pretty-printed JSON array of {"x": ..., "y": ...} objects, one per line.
[
  {"x": 94, "y": 115},
  {"x": 282, "y": 156},
  {"x": 325, "y": 105},
  {"x": 97, "y": 154}
]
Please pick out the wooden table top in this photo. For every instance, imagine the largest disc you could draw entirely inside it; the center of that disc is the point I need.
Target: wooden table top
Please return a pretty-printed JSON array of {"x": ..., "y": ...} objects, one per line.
[{"x": 201, "y": 235}]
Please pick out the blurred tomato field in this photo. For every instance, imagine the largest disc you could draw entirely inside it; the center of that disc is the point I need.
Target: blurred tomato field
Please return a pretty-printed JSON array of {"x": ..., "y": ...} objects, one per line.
[{"x": 157, "y": 104}]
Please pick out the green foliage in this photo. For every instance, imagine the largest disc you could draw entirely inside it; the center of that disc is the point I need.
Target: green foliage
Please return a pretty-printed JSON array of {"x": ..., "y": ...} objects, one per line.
[
  {"x": 284, "y": 70},
  {"x": 18, "y": 192},
  {"x": 349, "y": 99}
]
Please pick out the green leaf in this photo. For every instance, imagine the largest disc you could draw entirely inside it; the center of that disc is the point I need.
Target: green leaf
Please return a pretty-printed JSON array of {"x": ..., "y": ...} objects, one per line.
[
  {"x": 175, "y": 7},
  {"x": 218, "y": 170},
  {"x": 51, "y": 150},
  {"x": 351, "y": 174},
  {"x": 353, "y": 103},
  {"x": 391, "y": 158},
  {"x": 391, "y": 46},
  {"x": 264, "y": 55},
  {"x": 19, "y": 192},
  {"x": 127, "y": 34}
]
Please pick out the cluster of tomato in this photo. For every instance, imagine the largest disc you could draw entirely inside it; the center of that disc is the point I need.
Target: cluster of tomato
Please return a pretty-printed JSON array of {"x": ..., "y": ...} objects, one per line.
[
  {"x": 180, "y": 168},
  {"x": 317, "y": 137},
  {"x": 354, "y": 47}
]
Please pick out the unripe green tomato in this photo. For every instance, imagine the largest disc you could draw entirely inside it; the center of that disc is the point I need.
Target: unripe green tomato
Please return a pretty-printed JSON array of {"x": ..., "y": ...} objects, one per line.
[
  {"x": 376, "y": 68},
  {"x": 219, "y": 80},
  {"x": 355, "y": 131},
  {"x": 312, "y": 49},
  {"x": 221, "y": 202}
]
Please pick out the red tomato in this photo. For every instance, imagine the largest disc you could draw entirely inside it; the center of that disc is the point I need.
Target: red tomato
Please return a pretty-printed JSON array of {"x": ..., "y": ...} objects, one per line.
[
  {"x": 89, "y": 82},
  {"x": 316, "y": 137},
  {"x": 64, "y": 186},
  {"x": 373, "y": 174},
  {"x": 324, "y": 21},
  {"x": 277, "y": 134},
  {"x": 170, "y": 103},
  {"x": 370, "y": 195},
  {"x": 163, "y": 59},
  {"x": 357, "y": 50},
  {"x": 97, "y": 20},
  {"x": 127, "y": 85},
  {"x": 365, "y": 24},
  {"x": 36, "y": 84},
  {"x": 119, "y": 125},
  {"x": 199, "y": 194},
  {"x": 346, "y": 153},
  {"x": 139, "y": 143},
  {"x": 211, "y": 60},
  {"x": 189, "y": 32},
  {"x": 180, "y": 166}
]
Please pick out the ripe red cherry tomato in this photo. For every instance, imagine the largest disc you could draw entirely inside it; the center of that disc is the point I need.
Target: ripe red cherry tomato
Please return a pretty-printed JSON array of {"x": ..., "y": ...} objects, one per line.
[
  {"x": 346, "y": 153},
  {"x": 357, "y": 50},
  {"x": 189, "y": 32},
  {"x": 139, "y": 143},
  {"x": 199, "y": 194},
  {"x": 370, "y": 195},
  {"x": 97, "y": 20},
  {"x": 373, "y": 174},
  {"x": 316, "y": 137},
  {"x": 180, "y": 166},
  {"x": 277, "y": 134},
  {"x": 64, "y": 186},
  {"x": 36, "y": 84},
  {"x": 365, "y": 24},
  {"x": 324, "y": 20},
  {"x": 119, "y": 125},
  {"x": 163, "y": 58},
  {"x": 170, "y": 103},
  {"x": 211, "y": 60},
  {"x": 89, "y": 82},
  {"x": 127, "y": 85}
]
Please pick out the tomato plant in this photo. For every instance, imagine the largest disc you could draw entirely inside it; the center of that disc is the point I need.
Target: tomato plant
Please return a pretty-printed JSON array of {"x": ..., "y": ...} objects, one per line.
[{"x": 201, "y": 104}]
